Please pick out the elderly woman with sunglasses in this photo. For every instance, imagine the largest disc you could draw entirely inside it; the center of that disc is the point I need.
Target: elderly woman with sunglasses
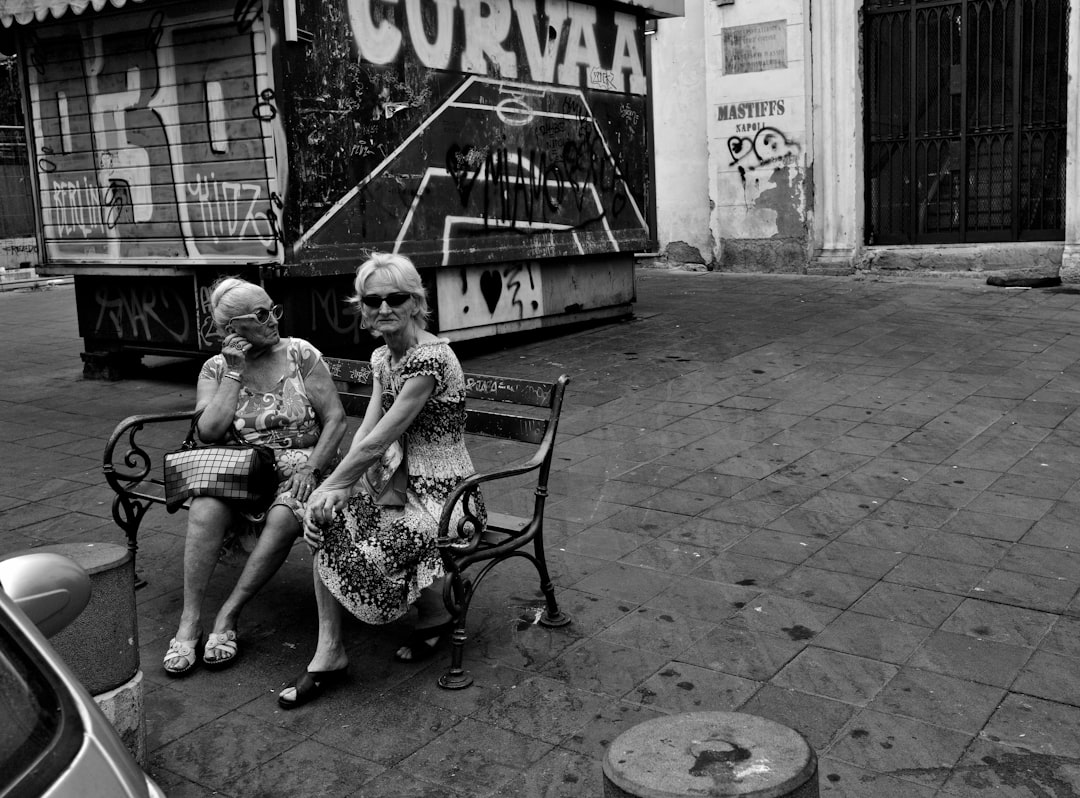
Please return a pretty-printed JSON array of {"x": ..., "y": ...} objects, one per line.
[
  {"x": 377, "y": 557},
  {"x": 273, "y": 391}
]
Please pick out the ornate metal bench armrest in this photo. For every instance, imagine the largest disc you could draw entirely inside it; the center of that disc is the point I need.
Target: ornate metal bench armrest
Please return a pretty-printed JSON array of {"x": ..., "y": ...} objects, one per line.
[
  {"x": 465, "y": 537},
  {"x": 135, "y": 459}
]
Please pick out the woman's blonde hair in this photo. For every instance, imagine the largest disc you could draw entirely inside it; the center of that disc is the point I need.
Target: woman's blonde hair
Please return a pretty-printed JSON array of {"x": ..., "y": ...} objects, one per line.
[
  {"x": 230, "y": 297},
  {"x": 404, "y": 276}
]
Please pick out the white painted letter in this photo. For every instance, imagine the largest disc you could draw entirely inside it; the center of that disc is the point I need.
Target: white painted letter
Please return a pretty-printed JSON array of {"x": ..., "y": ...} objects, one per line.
[
  {"x": 581, "y": 47},
  {"x": 626, "y": 53},
  {"x": 541, "y": 57},
  {"x": 436, "y": 54},
  {"x": 378, "y": 44},
  {"x": 484, "y": 35}
]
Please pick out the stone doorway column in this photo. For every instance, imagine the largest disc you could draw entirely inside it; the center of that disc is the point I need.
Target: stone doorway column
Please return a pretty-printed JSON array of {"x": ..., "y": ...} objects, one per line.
[
  {"x": 838, "y": 136},
  {"x": 1070, "y": 257}
]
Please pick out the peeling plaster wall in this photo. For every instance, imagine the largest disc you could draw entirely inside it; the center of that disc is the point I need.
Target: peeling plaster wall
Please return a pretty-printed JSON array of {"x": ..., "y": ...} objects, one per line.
[
  {"x": 759, "y": 135},
  {"x": 742, "y": 192}
]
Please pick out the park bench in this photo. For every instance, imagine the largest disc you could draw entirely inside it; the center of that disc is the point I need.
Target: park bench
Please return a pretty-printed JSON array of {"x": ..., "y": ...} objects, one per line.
[{"x": 506, "y": 409}]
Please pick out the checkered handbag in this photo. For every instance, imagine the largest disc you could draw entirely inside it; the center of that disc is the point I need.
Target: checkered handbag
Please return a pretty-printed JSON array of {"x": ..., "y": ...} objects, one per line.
[{"x": 239, "y": 471}]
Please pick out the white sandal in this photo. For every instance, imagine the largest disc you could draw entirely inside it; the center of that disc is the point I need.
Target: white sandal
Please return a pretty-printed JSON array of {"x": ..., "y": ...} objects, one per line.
[
  {"x": 181, "y": 655},
  {"x": 222, "y": 646}
]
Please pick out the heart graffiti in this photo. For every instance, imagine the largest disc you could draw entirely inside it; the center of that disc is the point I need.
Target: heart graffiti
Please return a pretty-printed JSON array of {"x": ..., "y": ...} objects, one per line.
[
  {"x": 769, "y": 145},
  {"x": 491, "y": 286}
]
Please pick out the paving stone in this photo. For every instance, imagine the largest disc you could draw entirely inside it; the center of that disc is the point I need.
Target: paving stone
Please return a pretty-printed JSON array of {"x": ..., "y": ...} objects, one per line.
[
  {"x": 225, "y": 749},
  {"x": 703, "y": 599},
  {"x": 1051, "y": 676},
  {"x": 602, "y": 667},
  {"x": 1000, "y": 623},
  {"x": 933, "y": 573},
  {"x": 1045, "y": 593},
  {"x": 818, "y": 719},
  {"x": 749, "y": 513},
  {"x": 909, "y": 513},
  {"x": 1037, "y": 725},
  {"x": 542, "y": 708},
  {"x": 682, "y": 687},
  {"x": 559, "y": 774},
  {"x": 827, "y": 588},
  {"x": 901, "y": 747},
  {"x": 1041, "y": 561},
  {"x": 966, "y": 549},
  {"x": 707, "y": 533},
  {"x": 736, "y": 569},
  {"x": 987, "y": 525},
  {"x": 851, "y": 558},
  {"x": 886, "y": 535},
  {"x": 833, "y": 674},
  {"x": 1064, "y": 637},
  {"x": 992, "y": 769},
  {"x": 813, "y": 523},
  {"x": 939, "y": 699},
  {"x": 872, "y": 637},
  {"x": 740, "y": 651},
  {"x": 840, "y": 780},
  {"x": 659, "y": 631},
  {"x": 310, "y": 768},
  {"x": 775, "y": 545},
  {"x": 966, "y": 657},
  {"x": 479, "y": 756},
  {"x": 397, "y": 783}
]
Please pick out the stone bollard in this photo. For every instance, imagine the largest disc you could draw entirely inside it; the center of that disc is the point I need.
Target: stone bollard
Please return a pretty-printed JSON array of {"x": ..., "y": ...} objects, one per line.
[
  {"x": 101, "y": 646},
  {"x": 719, "y": 754}
]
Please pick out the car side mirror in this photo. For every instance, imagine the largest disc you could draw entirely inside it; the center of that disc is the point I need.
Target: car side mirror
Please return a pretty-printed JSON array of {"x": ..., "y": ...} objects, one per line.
[{"x": 49, "y": 588}]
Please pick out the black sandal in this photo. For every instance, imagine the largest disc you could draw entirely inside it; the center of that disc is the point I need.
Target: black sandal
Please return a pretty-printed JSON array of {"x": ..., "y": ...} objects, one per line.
[
  {"x": 418, "y": 645},
  {"x": 309, "y": 685}
]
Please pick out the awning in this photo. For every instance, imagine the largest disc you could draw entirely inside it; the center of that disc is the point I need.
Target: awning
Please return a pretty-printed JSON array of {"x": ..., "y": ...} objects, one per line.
[{"x": 23, "y": 11}]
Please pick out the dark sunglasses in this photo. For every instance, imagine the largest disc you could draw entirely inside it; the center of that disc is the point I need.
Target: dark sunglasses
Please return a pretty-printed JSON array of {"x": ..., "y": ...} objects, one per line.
[
  {"x": 262, "y": 315},
  {"x": 395, "y": 300}
]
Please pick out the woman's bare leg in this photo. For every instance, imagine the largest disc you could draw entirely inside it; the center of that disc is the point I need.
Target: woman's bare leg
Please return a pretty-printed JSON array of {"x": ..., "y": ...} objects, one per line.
[
  {"x": 330, "y": 649},
  {"x": 431, "y": 612},
  {"x": 271, "y": 550},
  {"x": 208, "y": 518}
]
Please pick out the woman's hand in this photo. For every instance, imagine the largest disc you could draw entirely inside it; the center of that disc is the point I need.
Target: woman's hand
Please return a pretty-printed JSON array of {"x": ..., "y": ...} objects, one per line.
[
  {"x": 301, "y": 483},
  {"x": 322, "y": 505},
  {"x": 234, "y": 350}
]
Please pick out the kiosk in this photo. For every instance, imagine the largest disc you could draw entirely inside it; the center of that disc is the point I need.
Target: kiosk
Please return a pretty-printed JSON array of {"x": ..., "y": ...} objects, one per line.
[{"x": 500, "y": 144}]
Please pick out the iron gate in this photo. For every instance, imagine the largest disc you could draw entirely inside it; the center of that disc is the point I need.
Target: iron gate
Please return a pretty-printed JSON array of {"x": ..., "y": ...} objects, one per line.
[{"x": 965, "y": 120}]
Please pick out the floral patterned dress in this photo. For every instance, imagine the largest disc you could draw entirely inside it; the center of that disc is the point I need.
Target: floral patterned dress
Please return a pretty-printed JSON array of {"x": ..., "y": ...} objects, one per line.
[
  {"x": 283, "y": 419},
  {"x": 376, "y": 559}
]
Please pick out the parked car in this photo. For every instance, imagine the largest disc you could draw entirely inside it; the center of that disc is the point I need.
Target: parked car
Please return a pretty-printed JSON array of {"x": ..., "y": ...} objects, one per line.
[{"x": 54, "y": 740}]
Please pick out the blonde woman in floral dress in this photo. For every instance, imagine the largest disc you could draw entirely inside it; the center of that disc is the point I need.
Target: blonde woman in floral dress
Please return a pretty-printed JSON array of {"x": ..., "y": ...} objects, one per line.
[{"x": 378, "y": 560}]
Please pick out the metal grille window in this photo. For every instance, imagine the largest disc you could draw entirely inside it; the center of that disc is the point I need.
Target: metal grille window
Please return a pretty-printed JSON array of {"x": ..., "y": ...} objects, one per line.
[{"x": 965, "y": 120}]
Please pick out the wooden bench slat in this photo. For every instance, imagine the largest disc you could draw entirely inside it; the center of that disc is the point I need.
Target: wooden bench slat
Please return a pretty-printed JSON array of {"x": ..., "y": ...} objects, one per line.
[
  {"x": 502, "y": 425},
  {"x": 355, "y": 377},
  {"x": 507, "y": 389}
]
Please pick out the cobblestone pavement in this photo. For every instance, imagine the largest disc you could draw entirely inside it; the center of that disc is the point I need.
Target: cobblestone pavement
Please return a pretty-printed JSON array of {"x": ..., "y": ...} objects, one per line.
[{"x": 846, "y": 505}]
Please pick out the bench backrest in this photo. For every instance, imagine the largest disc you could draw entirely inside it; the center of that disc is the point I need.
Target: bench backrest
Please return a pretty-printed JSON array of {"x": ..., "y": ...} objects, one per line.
[{"x": 490, "y": 405}]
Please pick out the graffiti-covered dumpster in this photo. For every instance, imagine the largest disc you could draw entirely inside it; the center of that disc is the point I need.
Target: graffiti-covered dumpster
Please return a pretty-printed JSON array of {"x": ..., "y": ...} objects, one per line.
[{"x": 500, "y": 144}]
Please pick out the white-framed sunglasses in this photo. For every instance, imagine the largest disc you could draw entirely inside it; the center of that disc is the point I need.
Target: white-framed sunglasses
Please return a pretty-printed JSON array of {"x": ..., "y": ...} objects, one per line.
[{"x": 262, "y": 315}]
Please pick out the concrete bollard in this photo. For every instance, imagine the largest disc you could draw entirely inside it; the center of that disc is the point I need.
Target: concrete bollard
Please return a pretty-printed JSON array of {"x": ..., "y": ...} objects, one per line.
[
  {"x": 101, "y": 646},
  {"x": 719, "y": 754}
]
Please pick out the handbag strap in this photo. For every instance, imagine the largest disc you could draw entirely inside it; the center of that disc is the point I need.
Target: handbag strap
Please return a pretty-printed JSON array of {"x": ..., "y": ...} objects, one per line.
[{"x": 191, "y": 443}]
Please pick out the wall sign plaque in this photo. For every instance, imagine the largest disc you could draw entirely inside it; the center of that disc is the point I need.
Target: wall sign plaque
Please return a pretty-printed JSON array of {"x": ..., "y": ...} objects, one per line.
[{"x": 755, "y": 48}]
